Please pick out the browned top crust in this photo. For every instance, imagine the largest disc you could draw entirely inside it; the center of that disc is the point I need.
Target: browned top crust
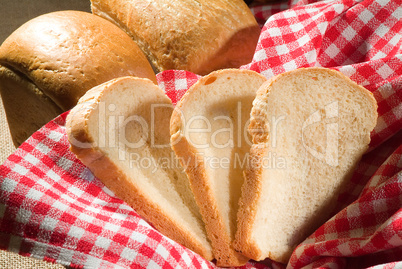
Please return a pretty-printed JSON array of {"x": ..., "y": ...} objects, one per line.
[
  {"x": 198, "y": 36},
  {"x": 65, "y": 53}
]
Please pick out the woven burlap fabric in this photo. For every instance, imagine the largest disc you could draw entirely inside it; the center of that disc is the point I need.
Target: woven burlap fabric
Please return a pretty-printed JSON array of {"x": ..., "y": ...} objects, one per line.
[
  {"x": 13, "y": 260},
  {"x": 6, "y": 144}
]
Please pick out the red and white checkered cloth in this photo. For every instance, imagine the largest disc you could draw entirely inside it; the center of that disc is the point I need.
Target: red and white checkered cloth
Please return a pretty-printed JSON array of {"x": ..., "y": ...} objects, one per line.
[{"x": 53, "y": 208}]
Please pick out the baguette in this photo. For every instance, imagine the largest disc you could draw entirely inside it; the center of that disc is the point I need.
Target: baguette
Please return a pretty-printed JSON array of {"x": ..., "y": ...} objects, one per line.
[
  {"x": 48, "y": 63},
  {"x": 310, "y": 128},
  {"x": 120, "y": 130},
  {"x": 207, "y": 136},
  {"x": 198, "y": 36}
]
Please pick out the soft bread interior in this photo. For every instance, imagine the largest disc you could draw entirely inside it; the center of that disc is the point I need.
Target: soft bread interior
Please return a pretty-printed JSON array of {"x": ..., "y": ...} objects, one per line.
[
  {"x": 129, "y": 124},
  {"x": 213, "y": 116},
  {"x": 223, "y": 148},
  {"x": 310, "y": 128}
]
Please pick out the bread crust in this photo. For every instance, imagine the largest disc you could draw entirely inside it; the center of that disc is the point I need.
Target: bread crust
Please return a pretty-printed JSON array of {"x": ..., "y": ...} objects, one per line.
[
  {"x": 197, "y": 36},
  {"x": 245, "y": 216},
  {"x": 27, "y": 107},
  {"x": 116, "y": 180},
  {"x": 214, "y": 223},
  {"x": 195, "y": 169},
  {"x": 252, "y": 187},
  {"x": 65, "y": 53}
]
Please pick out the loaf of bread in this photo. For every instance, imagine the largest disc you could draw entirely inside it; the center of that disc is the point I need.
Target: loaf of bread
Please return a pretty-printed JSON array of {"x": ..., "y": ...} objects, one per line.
[
  {"x": 198, "y": 36},
  {"x": 120, "y": 130},
  {"x": 310, "y": 128},
  {"x": 51, "y": 61},
  {"x": 207, "y": 135}
]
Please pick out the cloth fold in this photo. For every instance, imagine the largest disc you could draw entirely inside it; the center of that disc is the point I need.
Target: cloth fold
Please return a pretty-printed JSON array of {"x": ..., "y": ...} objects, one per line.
[{"x": 53, "y": 208}]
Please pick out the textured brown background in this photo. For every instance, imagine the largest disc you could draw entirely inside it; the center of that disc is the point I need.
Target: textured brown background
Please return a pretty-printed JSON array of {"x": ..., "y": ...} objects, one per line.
[{"x": 13, "y": 13}]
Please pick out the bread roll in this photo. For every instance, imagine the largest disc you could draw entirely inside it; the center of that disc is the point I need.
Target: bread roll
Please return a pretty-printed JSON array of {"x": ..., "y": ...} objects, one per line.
[
  {"x": 120, "y": 130},
  {"x": 207, "y": 134},
  {"x": 48, "y": 63},
  {"x": 310, "y": 128},
  {"x": 198, "y": 36}
]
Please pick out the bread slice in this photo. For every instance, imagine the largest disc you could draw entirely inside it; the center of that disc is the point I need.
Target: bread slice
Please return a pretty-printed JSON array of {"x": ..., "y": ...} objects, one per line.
[
  {"x": 120, "y": 130},
  {"x": 208, "y": 136},
  {"x": 309, "y": 127}
]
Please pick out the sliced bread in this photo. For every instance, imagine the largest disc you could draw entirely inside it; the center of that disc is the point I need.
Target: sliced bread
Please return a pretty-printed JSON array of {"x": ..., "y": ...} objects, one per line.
[
  {"x": 120, "y": 130},
  {"x": 310, "y": 128},
  {"x": 208, "y": 136}
]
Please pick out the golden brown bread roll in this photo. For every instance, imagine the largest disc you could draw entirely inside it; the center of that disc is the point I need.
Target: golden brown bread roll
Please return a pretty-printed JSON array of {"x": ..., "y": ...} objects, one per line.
[
  {"x": 198, "y": 36},
  {"x": 48, "y": 63}
]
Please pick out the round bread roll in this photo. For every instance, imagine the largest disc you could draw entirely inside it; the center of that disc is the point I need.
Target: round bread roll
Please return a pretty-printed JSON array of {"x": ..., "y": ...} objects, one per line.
[{"x": 48, "y": 63}]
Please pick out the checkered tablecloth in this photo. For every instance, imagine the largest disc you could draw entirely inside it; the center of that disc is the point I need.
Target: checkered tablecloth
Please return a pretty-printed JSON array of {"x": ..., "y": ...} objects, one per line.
[{"x": 53, "y": 208}]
